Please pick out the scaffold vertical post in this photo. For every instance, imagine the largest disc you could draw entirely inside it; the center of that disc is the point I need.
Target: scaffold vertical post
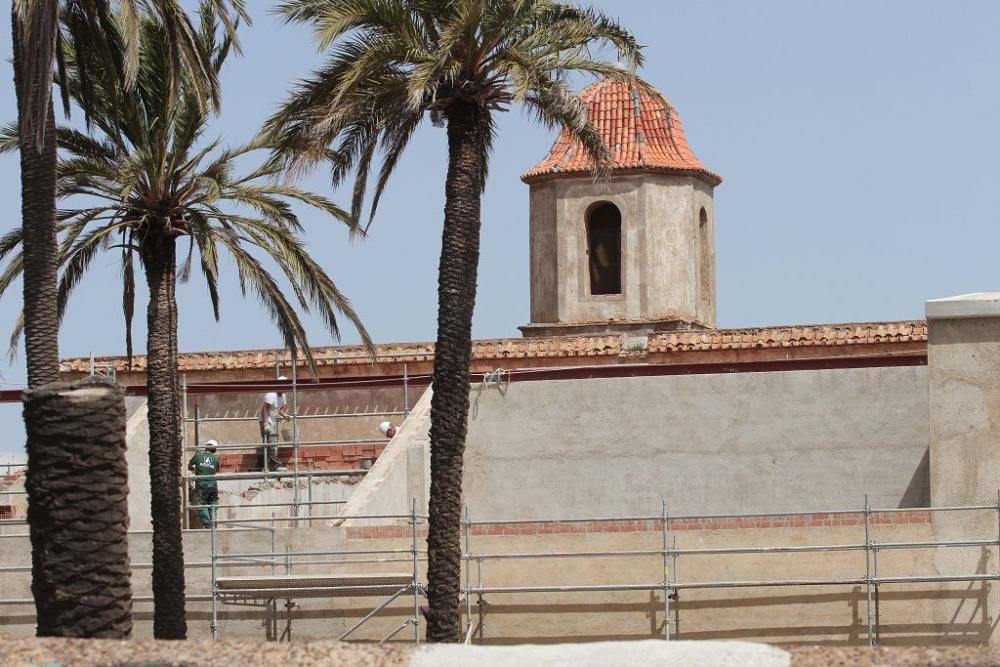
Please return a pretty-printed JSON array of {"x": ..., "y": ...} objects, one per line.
[
  {"x": 666, "y": 573},
  {"x": 309, "y": 494},
  {"x": 185, "y": 444},
  {"x": 868, "y": 573},
  {"x": 480, "y": 602},
  {"x": 416, "y": 572},
  {"x": 295, "y": 436},
  {"x": 998, "y": 534},
  {"x": 468, "y": 576},
  {"x": 677, "y": 602},
  {"x": 406, "y": 392},
  {"x": 875, "y": 636},
  {"x": 214, "y": 627}
]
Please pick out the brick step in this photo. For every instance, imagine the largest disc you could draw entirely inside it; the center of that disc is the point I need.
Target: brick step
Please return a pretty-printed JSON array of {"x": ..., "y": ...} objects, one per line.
[{"x": 315, "y": 458}]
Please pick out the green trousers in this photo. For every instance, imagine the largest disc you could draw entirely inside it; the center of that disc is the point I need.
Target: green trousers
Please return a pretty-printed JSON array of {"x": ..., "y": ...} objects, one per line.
[{"x": 207, "y": 495}]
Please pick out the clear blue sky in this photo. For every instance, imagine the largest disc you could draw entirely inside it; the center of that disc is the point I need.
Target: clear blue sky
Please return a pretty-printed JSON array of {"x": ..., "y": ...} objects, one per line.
[{"x": 859, "y": 143}]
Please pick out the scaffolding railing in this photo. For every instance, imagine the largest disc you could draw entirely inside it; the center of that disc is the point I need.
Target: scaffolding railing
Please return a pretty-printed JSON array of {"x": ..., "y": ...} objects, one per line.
[
  {"x": 670, "y": 586},
  {"x": 297, "y": 445},
  {"x": 477, "y": 589},
  {"x": 266, "y": 591}
]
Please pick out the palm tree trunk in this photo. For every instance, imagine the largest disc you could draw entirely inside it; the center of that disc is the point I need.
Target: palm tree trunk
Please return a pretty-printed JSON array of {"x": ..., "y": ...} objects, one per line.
[
  {"x": 159, "y": 259},
  {"x": 457, "y": 271},
  {"x": 38, "y": 218},
  {"x": 41, "y": 333},
  {"x": 78, "y": 510}
]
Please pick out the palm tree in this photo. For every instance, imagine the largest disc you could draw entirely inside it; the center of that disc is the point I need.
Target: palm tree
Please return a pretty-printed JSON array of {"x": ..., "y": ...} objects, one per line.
[
  {"x": 391, "y": 64},
  {"x": 39, "y": 28},
  {"x": 149, "y": 181}
]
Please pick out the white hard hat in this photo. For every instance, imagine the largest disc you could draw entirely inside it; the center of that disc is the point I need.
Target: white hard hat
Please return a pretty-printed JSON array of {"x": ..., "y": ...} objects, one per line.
[
  {"x": 211, "y": 444},
  {"x": 282, "y": 378},
  {"x": 384, "y": 427}
]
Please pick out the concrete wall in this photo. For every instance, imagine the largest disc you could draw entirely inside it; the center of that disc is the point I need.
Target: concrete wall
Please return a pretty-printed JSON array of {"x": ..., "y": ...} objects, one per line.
[
  {"x": 660, "y": 258},
  {"x": 777, "y": 441}
]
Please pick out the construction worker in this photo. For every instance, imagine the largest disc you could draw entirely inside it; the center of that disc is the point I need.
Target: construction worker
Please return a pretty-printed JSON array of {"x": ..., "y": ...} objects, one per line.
[
  {"x": 206, "y": 494},
  {"x": 273, "y": 409},
  {"x": 387, "y": 429}
]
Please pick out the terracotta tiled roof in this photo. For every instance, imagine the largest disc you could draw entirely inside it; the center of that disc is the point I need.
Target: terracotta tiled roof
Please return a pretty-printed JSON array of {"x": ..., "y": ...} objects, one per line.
[
  {"x": 582, "y": 347},
  {"x": 641, "y": 132},
  {"x": 830, "y": 335}
]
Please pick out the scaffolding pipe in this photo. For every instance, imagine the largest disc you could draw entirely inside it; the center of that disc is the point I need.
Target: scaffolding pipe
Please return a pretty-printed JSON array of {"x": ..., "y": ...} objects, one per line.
[
  {"x": 468, "y": 579},
  {"x": 372, "y": 613},
  {"x": 875, "y": 639},
  {"x": 254, "y": 506},
  {"x": 334, "y": 415},
  {"x": 396, "y": 631},
  {"x": 311, "y": 443},
  {"x": 214, "y": 625},
  {"x": 272, "y": 475},
  {"x": 416, "y": 581},
  {"x": 666, "y": 576},
  {"x": 680, "y": 518},
  {"x": 349, "y": 552},
  {"x": 406, "y": 392},
  {"x": 868, "y": 574}
]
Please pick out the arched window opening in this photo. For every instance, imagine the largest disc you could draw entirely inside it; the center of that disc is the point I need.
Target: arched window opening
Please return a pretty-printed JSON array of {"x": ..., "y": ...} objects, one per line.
[
  {"x": 704, "y": 260},
  {"x": 604, "y": 249}
]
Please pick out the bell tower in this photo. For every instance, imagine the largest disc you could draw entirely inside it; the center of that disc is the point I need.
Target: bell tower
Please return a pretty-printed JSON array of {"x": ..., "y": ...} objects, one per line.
[{"x": 633, "y": 252}]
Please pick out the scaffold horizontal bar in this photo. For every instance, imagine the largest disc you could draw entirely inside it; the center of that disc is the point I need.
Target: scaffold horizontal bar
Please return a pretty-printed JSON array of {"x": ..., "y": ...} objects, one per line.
[
  {"x": 674, "y": 518},
  {"x": 286, "y": 474},
  {"x": 255, "y": 505},
  {"x": 290, "y": 443},
  {"x": 350, "y": 552},
  {"x": 332, "y": 415}
]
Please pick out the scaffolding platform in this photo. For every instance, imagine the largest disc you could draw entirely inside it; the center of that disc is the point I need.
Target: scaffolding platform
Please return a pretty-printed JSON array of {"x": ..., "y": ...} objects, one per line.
[{"x": 313, "y": 585}]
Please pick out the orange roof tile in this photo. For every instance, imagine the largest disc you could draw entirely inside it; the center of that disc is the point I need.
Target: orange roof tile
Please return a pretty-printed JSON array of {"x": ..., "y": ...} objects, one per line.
[
  {"x": 641, "y": 131},
  {"x": 816, "y": 335}
]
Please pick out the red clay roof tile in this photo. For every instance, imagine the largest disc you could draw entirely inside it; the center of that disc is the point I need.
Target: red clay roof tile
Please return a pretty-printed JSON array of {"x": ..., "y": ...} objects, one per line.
[
  {"x": 641, "y": 131},
  {"x": 820, "y": 335}
]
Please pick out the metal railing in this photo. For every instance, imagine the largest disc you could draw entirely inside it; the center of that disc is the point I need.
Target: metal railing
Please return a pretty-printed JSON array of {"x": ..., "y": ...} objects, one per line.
[
  {"x": 296, "y": 444},
  {"x": 662, "y": 526},
  {"x": 412, "y": 555},
  {"x": 669, "y": 553}
]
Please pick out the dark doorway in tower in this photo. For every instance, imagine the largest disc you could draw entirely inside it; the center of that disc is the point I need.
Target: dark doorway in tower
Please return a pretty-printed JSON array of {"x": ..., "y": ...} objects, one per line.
[{"x": 604, "y": 249}]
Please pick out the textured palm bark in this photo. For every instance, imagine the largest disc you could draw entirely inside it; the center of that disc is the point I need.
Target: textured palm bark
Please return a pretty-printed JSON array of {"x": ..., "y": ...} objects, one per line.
[
  {"x": 41, "y": 249},
  {"x": 159, "y": 259},
  {"x": 78, "y": 510},
  {"x": 457, "y": 271},
  {"x": 41, "y": 330}
]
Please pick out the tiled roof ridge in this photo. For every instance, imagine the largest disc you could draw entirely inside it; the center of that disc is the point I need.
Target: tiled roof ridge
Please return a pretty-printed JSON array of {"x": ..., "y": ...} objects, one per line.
[
  {"x": 580, "y": 345},
  {"x": 643, "y": 131}
]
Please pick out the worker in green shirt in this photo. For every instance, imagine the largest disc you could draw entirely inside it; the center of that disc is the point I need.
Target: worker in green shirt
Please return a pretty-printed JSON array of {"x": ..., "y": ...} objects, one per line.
[{"x": 206, "y": 490}]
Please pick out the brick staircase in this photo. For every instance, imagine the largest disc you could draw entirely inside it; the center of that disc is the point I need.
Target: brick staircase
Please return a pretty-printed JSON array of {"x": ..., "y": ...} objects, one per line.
[{"x": 310, "y": 458}]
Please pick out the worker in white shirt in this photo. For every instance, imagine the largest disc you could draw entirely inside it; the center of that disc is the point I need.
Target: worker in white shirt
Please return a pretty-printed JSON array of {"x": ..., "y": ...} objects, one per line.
[{"x": 274, "y": 408}]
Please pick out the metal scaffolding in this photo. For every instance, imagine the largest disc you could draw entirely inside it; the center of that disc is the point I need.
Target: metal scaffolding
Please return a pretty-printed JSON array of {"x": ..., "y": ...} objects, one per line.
[
  {"x": 671, "y": 586},
  {"x": 286, "y": 581},
  {"x": 266, "y": 591},
  {"x": 195, "y": 420}
]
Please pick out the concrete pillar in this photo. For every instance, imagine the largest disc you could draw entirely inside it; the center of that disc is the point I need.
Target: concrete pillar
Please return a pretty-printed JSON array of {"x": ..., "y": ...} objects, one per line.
[
  {"x": 964, "y": 385},
  {"x": 964, "y": 402}
]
